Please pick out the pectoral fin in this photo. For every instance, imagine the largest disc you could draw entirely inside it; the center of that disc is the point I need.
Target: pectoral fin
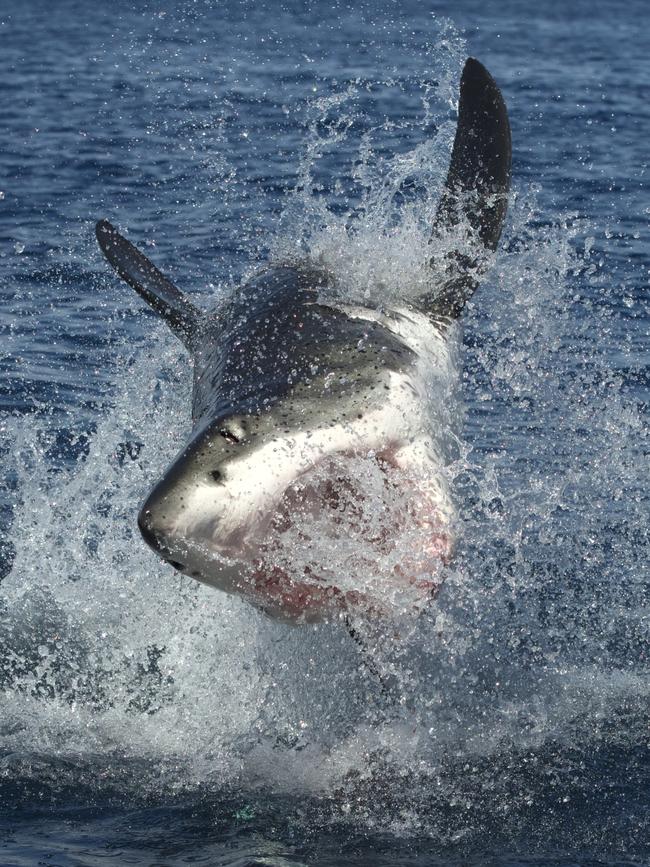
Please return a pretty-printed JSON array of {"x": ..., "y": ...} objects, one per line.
[{"x": 141, "y": 274}]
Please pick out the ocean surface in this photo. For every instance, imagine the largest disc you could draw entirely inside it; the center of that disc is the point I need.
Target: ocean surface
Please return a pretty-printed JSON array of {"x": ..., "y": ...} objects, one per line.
[{"x": 145, "y": 719}]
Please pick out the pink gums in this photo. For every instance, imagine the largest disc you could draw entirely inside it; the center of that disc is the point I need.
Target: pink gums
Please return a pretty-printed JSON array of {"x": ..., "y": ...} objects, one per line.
[{"x": 310, "y": 593}]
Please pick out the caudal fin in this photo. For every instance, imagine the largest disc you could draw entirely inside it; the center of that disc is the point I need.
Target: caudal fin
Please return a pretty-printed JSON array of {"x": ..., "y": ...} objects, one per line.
[
  {"x": 474, "y": 201},
  {"x": 141, "y": 274}
]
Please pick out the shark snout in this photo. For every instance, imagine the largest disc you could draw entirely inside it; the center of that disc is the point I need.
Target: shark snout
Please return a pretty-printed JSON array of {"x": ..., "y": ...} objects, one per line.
[
  {"x": 185, "y": 517},
  {"x": 156, "y": 538},
  {"x": 148, "y": 533},
  {"x": 151, "y": 536}
]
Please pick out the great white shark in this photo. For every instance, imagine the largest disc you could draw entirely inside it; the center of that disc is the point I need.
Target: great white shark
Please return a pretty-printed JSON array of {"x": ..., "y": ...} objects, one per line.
[{"x": 310, "y": 409}]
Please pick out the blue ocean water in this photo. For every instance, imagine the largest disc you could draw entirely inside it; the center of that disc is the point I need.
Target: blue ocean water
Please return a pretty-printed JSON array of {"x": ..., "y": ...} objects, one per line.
[{"x": 147, "y": 720}]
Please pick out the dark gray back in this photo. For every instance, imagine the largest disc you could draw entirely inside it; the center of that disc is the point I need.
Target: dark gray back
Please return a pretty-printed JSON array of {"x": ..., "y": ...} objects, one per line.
[{"x": 274, "y": 336}]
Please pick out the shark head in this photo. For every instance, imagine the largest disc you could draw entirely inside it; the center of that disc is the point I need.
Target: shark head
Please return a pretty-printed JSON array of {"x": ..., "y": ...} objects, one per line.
[{"x": 314, "y": 503}]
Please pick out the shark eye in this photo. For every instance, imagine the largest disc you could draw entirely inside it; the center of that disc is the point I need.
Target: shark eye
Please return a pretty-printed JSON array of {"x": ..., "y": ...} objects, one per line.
[
  {"x": 229, "y": 436},
  {"x": 217, "y": 476}
]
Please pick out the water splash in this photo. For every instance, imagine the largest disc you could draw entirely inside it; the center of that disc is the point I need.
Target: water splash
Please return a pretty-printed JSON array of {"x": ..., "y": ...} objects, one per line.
[{"x": 534, "y": 655}]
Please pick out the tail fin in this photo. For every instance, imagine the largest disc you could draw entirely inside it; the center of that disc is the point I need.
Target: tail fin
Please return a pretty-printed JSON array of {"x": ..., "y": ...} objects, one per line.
[
  {"x": 141, "y": 274},
  {"x": 475, "y": 196}
]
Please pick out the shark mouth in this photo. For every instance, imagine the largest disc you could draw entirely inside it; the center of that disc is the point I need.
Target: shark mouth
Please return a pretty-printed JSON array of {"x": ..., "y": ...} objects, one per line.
[{"x": 352, "y": 534}]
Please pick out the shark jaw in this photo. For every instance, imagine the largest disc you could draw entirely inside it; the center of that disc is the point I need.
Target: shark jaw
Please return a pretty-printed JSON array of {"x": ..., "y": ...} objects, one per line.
[{"x": 345, "y": 532}]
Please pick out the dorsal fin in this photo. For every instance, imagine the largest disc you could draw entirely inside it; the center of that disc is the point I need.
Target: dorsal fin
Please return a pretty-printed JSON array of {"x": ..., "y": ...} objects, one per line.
[
  {"x": 141, "y": 274},
  {"x": 475, "y": 196}
]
